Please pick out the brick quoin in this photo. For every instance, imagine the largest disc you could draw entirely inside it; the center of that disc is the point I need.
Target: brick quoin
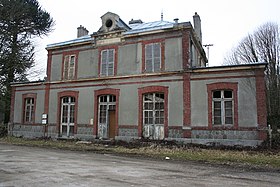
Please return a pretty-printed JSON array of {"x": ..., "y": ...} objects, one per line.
[
  {"x": 49, "y": 65},
  {"x": 186, "y": 85},
  {"x": 152, "y": 89},
  {"x": 261, "y": 103}
]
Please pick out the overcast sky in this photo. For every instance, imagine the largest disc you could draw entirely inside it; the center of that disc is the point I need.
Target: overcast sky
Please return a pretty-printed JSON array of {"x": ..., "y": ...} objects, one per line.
[{"x": 224, "y": 22}]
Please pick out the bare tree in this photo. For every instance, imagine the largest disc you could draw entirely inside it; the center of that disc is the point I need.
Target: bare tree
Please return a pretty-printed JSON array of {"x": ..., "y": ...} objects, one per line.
[{"x": 263, "y": 46}]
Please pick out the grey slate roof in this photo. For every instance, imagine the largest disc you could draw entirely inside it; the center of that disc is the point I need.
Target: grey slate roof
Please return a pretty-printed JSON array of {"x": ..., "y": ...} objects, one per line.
[
  {"x": 69, "y": 42},
  {"x": 135, "y": 28},
  {"x": 150, "y": 26}
]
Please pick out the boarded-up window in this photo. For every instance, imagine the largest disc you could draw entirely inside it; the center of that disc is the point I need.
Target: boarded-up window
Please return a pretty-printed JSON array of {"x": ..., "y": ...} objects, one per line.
[
  {"x": 107, "y": 62},
  {"x": 69, "y": 67},
  {"x": 153, "y": 57}
]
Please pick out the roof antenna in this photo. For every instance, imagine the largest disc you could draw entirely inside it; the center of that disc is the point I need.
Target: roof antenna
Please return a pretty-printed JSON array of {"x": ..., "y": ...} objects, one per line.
[{"x": 161, "y": 16}]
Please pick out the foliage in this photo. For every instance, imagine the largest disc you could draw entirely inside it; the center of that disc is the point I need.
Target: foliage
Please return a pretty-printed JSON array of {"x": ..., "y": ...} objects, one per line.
[
  {"x": 20, "y": 22},
  {"x": 3, "y": 130},
  {"x": 263, "y": 46}
]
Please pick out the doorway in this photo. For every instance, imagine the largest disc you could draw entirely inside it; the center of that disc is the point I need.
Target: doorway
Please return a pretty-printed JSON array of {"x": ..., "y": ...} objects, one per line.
[
  {"x": 67, "y": 121},
  {"x": 107, "y": 116}
]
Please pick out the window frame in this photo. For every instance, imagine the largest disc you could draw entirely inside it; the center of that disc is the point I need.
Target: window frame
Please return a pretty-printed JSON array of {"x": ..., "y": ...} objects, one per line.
[
  {"x": 31, "y": 114},
  {"x": 152, "y": 89},
  {"x": 233, "y": 86},
  {"x": 107, "y": 62},
  {"x": 154, "y": 57},
  {"x": 67, "y": 67},
  {"x": 60, "y": 95},
  {"x": 145, "y": 45},
  {"x": 222, "y": 100}
]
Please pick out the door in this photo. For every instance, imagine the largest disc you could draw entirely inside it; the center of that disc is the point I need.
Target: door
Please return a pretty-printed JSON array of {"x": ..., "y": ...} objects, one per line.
[
  {"x": 112, "y": 123},
  {"x": 153, "y": 116},
  {"x": 67, "y": 117},
  {"x": 107, "y": 116}
]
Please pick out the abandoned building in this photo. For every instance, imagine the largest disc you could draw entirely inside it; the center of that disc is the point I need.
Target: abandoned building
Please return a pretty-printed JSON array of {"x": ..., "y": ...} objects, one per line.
[{"x": 141, "y": 80}]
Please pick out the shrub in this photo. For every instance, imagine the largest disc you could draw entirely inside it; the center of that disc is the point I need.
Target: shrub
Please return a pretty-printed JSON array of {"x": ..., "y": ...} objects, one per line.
[{"x": 3, "y": 130}]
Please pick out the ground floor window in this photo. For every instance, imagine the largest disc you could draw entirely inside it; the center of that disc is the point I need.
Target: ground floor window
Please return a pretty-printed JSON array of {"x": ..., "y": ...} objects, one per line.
[
  {"x": 29, "y": 110},
  {"x": 222, "y": 107},
  {"x": 67, "y": 116},
  {"x": 153, "y": 115}
]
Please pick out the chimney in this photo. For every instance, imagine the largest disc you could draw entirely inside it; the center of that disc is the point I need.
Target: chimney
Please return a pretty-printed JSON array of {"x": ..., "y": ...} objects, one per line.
[
  {"x": 132, "y": 21},
  {"x": 82, "y": 31},
  {"x": 197, "y": 26}
]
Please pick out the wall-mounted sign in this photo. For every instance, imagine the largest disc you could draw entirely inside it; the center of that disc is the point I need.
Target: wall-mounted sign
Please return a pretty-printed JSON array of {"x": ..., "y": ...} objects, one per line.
[{"x": 44, "y": 119}]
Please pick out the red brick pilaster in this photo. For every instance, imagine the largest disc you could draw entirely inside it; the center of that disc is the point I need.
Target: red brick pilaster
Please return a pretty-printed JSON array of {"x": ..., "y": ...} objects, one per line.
[
  {"x": 49, "y": 65},
  {"x": 186, "y": 49},
  {"x": 187, "y": 105},
  {"x": 261, "y": 104}
]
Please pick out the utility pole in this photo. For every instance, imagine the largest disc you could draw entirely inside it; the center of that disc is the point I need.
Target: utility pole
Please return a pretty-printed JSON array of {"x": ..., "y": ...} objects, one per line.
[{"x": 207, "y": 46}]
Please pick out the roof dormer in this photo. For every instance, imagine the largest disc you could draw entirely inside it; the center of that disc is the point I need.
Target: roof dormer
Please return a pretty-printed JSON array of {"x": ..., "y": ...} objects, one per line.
[{"x": 112, "y": 22}]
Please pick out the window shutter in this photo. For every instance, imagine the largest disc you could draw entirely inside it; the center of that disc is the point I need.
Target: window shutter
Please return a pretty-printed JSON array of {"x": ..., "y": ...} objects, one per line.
[
  {"x": 104, "y": 58},
  {"x": 149, "y": 58},
  {"x": 66, "y": 66},
  {"x": 110, "y": 62},
  {"x": 71, "y": 70},
  {"x": 107, "y": 62},
  {"x": 153, "y": 57},
  {"x": 157, "y": 57}
]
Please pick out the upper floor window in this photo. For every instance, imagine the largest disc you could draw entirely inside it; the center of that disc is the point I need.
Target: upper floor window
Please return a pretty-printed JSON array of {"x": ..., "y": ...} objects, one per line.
[
  {"x": 69, "y": 67},
  {"x": 222, "y": 107},
  {"x": 153, "y": 57},
  {"x": 107, "y": 62},
  {"x": 29, "y": 110}
]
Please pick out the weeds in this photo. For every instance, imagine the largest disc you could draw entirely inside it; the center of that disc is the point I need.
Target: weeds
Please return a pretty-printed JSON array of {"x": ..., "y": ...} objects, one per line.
[{"x": 158, "y": 150}]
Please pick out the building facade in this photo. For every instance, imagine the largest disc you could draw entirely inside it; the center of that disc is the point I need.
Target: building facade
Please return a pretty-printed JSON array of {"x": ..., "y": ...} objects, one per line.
[{"x": 141, "y": 80}]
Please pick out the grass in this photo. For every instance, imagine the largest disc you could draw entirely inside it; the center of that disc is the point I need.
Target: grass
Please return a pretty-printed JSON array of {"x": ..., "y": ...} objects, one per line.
[{"x": 252, "y": 158}]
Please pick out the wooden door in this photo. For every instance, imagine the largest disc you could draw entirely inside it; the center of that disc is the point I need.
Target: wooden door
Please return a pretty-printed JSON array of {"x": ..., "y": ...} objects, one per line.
[{"x": 112, "y": 123}]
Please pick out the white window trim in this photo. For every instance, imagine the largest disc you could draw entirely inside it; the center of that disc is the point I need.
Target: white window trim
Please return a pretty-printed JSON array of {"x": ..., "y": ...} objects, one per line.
[
  {"x": 153, "y": 57},
  {"x": 31, "y": 109},
  {"x": 222, "y": 100},
  {"x": 107, "y": 63}
]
